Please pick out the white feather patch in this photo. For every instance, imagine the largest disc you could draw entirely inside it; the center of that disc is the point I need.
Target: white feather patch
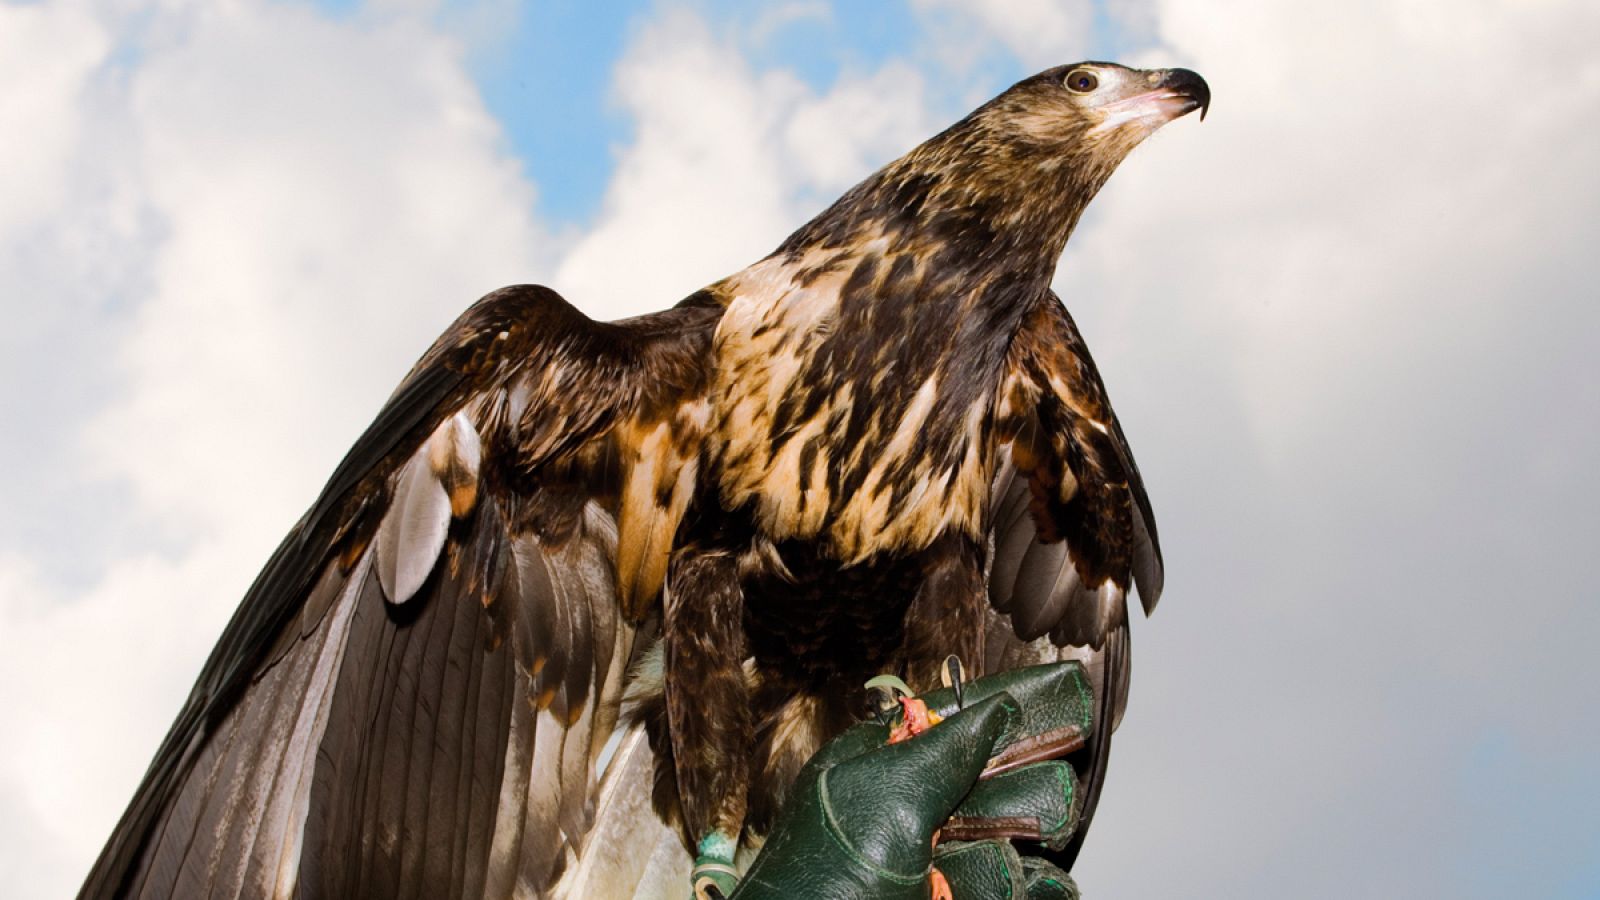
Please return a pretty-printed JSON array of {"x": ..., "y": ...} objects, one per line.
[{"x": 413, "y": 530}]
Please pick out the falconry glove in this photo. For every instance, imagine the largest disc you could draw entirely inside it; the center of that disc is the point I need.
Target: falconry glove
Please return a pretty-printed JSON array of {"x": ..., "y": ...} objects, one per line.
[{"x": 935, "y": 813}]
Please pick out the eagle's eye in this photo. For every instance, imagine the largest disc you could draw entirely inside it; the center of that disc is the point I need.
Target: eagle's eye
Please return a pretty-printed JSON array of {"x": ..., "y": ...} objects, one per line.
[{"x": 1081, "y": 81}]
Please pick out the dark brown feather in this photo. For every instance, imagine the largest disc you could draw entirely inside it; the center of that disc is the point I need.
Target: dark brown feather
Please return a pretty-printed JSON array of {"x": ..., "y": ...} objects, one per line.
[{"x": 1085, "y": 494}]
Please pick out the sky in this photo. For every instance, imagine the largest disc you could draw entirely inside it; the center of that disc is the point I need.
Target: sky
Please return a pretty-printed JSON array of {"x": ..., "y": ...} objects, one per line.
[{"x": 1350, "y": 323}]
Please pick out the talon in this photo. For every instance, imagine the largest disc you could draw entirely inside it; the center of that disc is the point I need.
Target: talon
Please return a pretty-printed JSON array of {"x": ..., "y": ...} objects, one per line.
[
  {"x": 954, "y": 676},
  {"x": 891, "y": 688},
  {"x": 893, "y": 684}
]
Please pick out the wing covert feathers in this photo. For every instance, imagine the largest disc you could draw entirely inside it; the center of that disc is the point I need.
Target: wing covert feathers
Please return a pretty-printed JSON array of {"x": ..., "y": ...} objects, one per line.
[
  {"x": 410, "y": 699},
  {"x": 1072, "y": 526}
]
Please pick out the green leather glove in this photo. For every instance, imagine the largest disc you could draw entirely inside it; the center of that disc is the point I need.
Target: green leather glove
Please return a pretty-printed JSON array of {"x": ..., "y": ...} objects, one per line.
[{"x": 861, "y": 819}]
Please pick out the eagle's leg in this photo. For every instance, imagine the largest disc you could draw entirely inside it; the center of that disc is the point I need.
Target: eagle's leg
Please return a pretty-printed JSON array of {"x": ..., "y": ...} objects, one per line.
[
  {"x": 708, "y": 699},
  {"x": 946, "y": 616}
]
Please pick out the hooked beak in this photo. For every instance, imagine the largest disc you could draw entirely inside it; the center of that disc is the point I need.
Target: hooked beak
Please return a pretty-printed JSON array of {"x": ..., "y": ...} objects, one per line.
[
  {"x": 1163, "y": 95},
  {"x": 1187, "y": 86}
]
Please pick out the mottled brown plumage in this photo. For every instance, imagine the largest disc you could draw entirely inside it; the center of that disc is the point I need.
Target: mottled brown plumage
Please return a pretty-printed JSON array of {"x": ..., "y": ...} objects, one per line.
[{"x": 882, "y": 444}]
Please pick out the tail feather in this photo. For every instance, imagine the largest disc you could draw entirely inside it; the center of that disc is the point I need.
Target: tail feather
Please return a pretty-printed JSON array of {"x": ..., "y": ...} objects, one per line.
[{"x": 1110, "y": 678}]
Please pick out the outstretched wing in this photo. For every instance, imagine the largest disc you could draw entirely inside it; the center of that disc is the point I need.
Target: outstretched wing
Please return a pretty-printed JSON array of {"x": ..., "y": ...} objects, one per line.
[
  {"x": 1073, "y": 532},
  {"x": 410, "y": 699}
]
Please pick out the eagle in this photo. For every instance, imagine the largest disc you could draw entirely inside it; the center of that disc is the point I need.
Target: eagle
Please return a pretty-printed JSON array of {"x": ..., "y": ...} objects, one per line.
[{"x": 882, "y": 445}]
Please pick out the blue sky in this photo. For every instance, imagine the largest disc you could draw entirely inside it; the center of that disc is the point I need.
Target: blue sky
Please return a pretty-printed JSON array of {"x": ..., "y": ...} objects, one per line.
[
  {"x": 556, "y": 58},
  {"x": 1348, "y": 322}
]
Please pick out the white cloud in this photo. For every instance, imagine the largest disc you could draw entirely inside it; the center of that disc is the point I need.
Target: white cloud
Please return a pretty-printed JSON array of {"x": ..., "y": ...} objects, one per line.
[
  {"x": 39, "y": 112},
  {"x": 725, "y": 161},
  {"x": 862, "y": 123},
  {"x": 322, "y": 222},
  {"x": 773, "y": 19},
  {"x": 90, "y": 682},
  {"x": 1039, "y": 33},
  {"x": 696, "y": 166}
]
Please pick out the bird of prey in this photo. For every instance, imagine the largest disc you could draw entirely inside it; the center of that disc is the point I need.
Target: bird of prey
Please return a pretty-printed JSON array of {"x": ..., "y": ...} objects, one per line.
[{"x": 883, "y": 444}]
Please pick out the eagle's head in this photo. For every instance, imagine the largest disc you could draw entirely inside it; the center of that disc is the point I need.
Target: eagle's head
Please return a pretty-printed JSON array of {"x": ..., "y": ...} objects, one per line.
[
  {"x": 1029, "y": 161},
  {"x": 1091, "y": 113},
  {"x": 1072, "y": 125}
]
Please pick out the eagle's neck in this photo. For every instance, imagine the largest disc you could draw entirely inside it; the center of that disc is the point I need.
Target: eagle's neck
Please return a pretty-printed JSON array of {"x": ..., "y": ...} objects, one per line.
[{"x": 998, "y": 207}]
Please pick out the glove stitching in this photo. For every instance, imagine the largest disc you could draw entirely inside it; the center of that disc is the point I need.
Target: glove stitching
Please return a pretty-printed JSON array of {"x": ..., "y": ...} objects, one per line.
[
  {"x": 1086, "y": 705},
  {"x": 1067, "y": 788},
  {"x": 836, "y": 833},
  {"x": 987, "y": 848}
]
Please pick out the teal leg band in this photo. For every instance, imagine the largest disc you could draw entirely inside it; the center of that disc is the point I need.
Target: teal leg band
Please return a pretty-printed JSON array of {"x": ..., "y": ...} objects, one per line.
[{"x": 714, "y": 865}]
